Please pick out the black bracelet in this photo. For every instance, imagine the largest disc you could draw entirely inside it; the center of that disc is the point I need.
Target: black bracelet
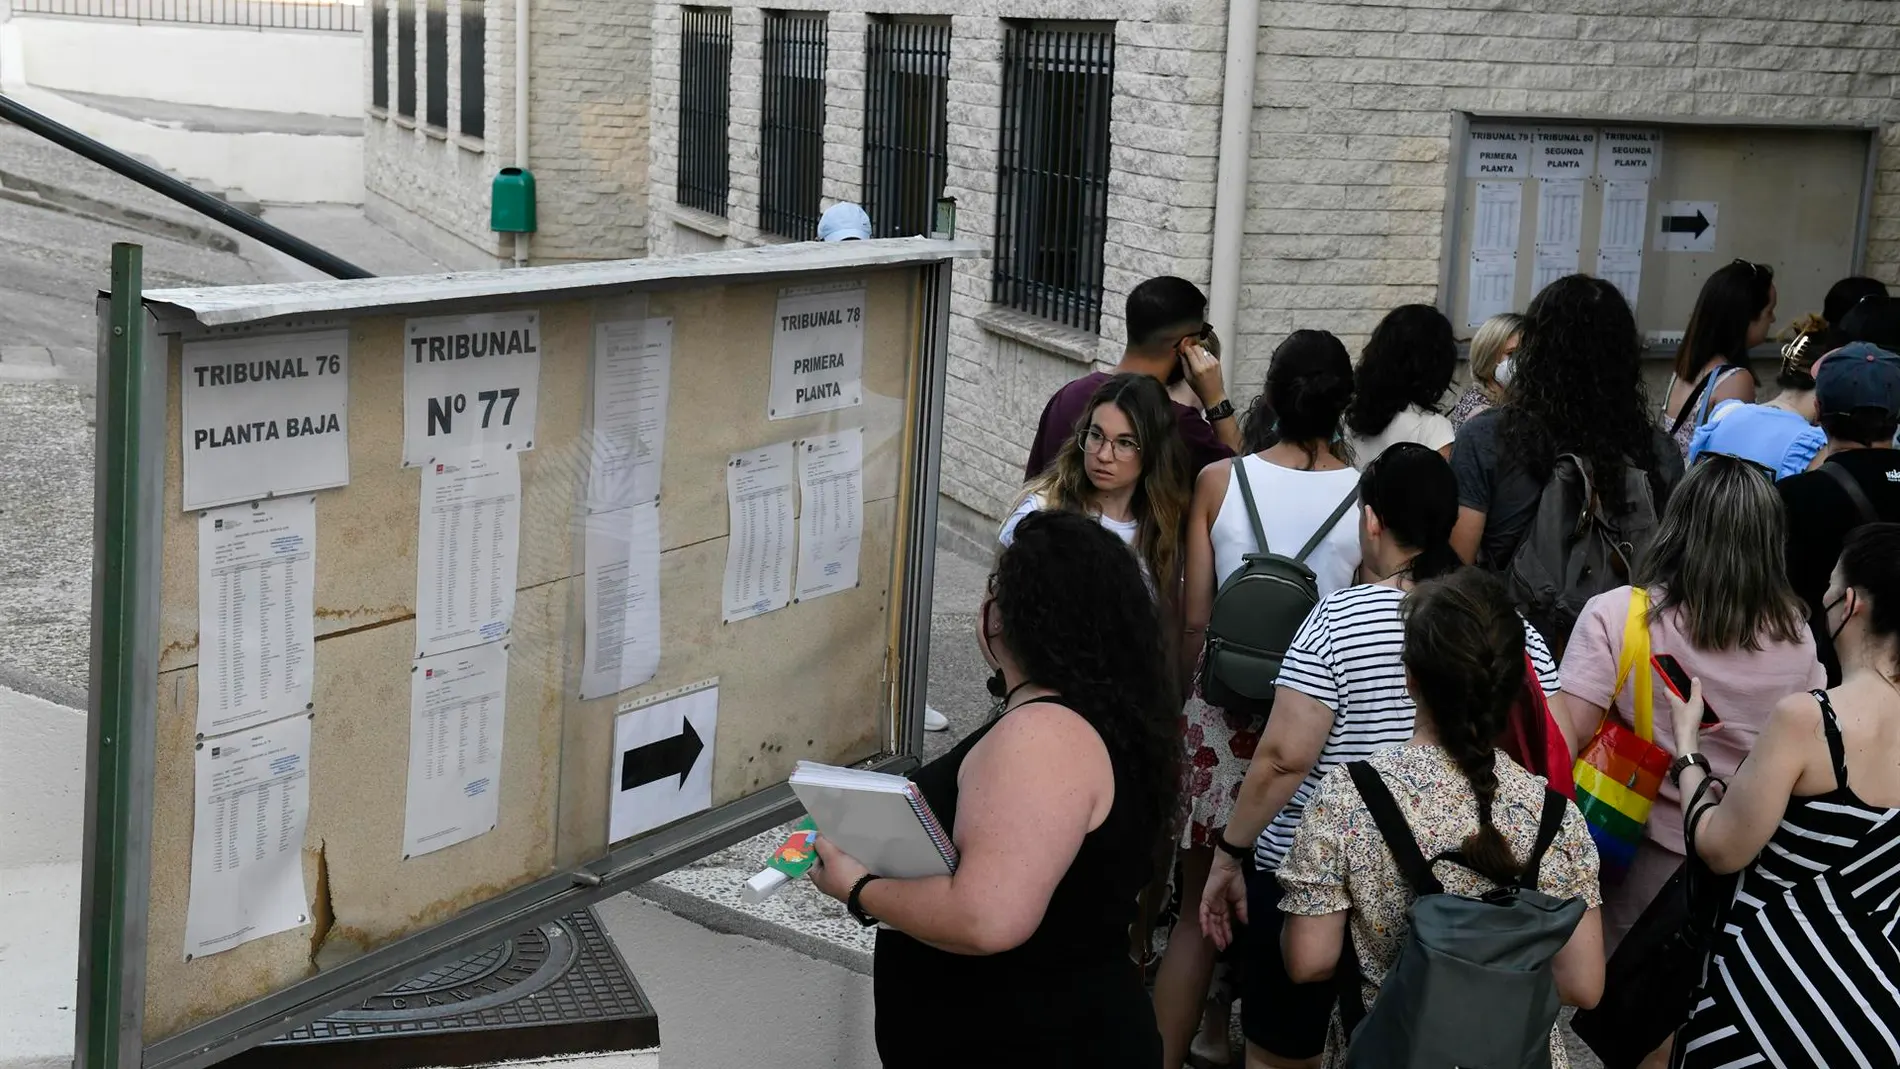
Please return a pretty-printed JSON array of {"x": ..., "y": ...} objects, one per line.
[
  {"x": 1682, "y": 763},
  {"x": 1238, "y": 853},
  {"x": 1220, "y": 411},
  {"x": 854, "y": 902}
]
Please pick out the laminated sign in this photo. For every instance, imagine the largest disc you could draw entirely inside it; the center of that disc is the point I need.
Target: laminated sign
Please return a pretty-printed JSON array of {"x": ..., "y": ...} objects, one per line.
[
  {"x": 817, "y": 350},
  {"x": 469, "y": 384},
  {"x": 265, "y": 416}
]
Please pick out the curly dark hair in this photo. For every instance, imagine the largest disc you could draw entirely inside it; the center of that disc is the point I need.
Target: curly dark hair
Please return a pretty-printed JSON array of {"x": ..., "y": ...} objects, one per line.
[
  {"x": 1409, "y": 360},
  {"x": 1077, "y": 616},
  {"x": 1577, "y": 387},
  {"x": 1464, "y": 651}
]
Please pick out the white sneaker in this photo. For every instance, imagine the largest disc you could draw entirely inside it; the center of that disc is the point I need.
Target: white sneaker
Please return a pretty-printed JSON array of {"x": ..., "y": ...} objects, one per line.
[{"x": 935, "y": 721}]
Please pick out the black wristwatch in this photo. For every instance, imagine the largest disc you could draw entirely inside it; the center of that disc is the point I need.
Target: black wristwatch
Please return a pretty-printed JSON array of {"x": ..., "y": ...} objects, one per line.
[
  {"x": 1220, "y": 411},
  {"x": 1681, "y": 764},
  {"x": 1238, "y": 853},
  {"x": 854, "y": 903}
]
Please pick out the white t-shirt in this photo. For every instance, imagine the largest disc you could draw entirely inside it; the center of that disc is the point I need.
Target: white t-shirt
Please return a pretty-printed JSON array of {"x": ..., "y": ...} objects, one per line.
[
  {"x": 1433, "y": 430},
  {"x": 1346, "y": 657},
  {"x": 1127, "y": 529},
  {"x": 1293, "y": 504}
]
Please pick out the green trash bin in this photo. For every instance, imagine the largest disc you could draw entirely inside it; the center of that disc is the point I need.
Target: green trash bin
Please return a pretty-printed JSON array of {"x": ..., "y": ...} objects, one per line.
[{"x": 511, "y": 202}]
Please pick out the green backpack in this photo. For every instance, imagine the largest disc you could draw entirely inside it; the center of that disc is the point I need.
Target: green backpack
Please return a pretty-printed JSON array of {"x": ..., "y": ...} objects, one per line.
[{"x": 1257, "y": 612}]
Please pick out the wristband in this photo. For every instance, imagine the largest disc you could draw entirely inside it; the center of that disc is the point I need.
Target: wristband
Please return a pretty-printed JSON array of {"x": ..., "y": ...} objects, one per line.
[
  {"x": 1681, "y": 765},
  {"x": 1238, "y": 853},
  {"x": 854, "y": 903}
]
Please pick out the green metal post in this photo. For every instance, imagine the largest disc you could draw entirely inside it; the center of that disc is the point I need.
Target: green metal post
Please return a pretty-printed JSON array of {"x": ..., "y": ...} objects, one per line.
[{"x": 113, "y": 890}]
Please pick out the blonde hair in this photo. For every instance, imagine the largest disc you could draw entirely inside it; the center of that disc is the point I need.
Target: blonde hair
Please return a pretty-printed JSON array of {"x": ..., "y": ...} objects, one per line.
[{"x": 1487, "y": 345}]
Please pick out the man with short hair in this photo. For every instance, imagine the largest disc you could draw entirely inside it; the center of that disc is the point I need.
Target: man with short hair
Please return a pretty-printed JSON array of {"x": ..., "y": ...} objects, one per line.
[
  {"x": 1857, "y": 389},
  {"x": 1167, "y": 335}
]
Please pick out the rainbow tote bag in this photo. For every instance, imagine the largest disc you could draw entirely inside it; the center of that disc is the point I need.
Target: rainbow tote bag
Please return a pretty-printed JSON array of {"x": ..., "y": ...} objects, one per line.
[{"x": 1621, "y": 770}]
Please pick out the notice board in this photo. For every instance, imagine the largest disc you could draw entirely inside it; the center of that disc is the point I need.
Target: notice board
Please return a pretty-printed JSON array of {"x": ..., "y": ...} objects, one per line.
[
  {"x": 1654, "y": 208},
  {"x": 634, "y": 488}
]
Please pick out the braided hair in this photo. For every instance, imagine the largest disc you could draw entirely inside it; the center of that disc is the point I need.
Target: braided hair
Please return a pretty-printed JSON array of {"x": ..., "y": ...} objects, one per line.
[{"x": 1464, "y": 655}]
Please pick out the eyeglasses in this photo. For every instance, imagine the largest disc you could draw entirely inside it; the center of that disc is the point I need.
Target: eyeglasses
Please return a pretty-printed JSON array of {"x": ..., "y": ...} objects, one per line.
[{"x": 1121, "y": 447}]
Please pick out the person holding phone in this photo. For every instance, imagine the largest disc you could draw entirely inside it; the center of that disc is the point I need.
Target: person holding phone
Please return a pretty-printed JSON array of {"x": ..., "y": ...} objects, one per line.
[
  {"x": 1722, "y": 609},
  {"x": 1170, "y": 340}
]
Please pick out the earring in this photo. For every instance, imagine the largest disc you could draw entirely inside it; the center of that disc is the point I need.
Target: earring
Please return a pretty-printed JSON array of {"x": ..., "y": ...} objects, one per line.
[{"x": 996, "y": 686}]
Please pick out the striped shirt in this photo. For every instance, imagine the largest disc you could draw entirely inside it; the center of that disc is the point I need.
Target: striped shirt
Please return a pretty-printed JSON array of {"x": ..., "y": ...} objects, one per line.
[{"x": 1346, "y": 657}]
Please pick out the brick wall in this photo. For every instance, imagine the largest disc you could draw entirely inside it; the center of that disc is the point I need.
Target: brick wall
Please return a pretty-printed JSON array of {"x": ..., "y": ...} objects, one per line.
[
  {"x": 1164, "y": 133},
  {"x": 588, "y": 127},
  {"x": 1353, "y": 122}
]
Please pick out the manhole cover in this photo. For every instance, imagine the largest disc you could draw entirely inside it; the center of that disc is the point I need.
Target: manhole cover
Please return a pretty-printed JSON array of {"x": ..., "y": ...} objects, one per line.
[{"x": 559, "y": 988}]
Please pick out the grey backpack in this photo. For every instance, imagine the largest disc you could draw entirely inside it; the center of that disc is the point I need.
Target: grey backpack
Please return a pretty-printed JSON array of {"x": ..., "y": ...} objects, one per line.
[
  {"x": 1573, "y": 550},
  {"x": 1257, "y": 612},
  {"x": 1472, "y": 987}
]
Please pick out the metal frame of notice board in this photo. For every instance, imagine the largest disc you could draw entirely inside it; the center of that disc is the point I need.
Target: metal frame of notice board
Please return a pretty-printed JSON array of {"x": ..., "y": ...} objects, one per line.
[
  {"x": 1451, "y": 284},
  {"x": 129, "y": 509}
]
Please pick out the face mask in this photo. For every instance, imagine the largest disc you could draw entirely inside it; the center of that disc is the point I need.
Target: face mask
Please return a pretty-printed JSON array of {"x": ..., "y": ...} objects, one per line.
[
  {"x": 994, "y": 684},
  {"x": 1502, "y": 373},
  {"x": 1829, "y": 607}
]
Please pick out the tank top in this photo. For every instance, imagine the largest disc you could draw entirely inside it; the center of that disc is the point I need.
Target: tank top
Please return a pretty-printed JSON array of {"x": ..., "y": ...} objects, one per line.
[
  {"x": 1069, "y": 995},
  {"x": 1292, "y": 505}
]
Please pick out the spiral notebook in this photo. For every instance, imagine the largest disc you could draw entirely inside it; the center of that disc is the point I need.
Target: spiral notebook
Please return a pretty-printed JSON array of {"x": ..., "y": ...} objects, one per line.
[{"x": 880, "y": 819}]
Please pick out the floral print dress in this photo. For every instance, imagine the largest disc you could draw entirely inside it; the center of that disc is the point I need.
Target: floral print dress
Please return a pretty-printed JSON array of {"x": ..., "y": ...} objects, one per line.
[{"x": 1340, "y": 862}]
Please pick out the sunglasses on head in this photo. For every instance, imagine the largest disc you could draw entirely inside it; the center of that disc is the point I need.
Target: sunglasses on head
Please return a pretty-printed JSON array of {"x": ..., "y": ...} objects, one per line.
[{"x": 1755, "y": 270}]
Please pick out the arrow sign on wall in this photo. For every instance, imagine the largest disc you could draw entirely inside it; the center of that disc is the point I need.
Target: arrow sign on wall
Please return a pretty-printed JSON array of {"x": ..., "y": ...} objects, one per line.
[
  {"x": 1686, "y": 224},
  {"x": 656, "y": 761}
]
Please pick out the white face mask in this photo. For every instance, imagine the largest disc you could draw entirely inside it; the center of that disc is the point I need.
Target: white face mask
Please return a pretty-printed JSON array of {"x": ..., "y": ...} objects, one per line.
[{"x": 1502, "y": 373}]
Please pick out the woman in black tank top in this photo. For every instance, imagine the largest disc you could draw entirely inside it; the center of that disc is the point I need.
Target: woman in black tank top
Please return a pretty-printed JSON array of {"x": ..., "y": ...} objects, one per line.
[{"x": 1059, "y": 808}]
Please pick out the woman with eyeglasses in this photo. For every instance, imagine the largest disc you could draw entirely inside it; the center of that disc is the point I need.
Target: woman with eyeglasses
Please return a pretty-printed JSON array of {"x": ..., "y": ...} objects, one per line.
[
  {"x": 1492, "y": 348},
  {"x": 1721, "y": 605},
  {"x": 1732, "y": 315},
  {"x": 1296, "y": 483},
  {"x": 1126, "y": 468}
]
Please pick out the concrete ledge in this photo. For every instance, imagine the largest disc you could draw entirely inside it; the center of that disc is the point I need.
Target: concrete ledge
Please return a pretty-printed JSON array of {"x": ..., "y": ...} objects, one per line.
[
  {"x": 730, "y": 921},
  {"x": 1067, "y": 342}
]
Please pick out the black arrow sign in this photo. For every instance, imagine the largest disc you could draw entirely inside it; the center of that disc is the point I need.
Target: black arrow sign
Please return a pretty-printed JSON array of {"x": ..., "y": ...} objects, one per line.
[
  {"x": 1686, "y": 224},
  {"x": 657, "y": 760}
]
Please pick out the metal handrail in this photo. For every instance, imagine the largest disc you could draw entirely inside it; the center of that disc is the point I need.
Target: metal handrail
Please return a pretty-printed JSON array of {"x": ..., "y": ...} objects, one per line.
[{"x": 191, "y": 197}]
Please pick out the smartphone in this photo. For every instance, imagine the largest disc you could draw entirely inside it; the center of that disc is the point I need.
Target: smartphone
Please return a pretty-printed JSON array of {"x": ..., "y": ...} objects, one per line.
[{"x": 1678, "y": 681}]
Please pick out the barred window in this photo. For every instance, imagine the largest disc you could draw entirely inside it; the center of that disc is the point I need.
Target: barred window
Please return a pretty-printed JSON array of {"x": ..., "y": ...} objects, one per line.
[
  {"x": 436, "y": 45},
  {"x": 907, "y": 78},
  {"x": 1052, "y": 176},
  {"x": 379, "y": 53},
  {"x": 406, "y": 58},
  {"x": 705, "y": 98},
  {"x": 474, "y": 118},
  {"x": 792, "y": 148}
]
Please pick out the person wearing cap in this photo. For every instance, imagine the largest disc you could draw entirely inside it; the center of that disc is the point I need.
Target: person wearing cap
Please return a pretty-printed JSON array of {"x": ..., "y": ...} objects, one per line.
[
  {"x": 1857, "y": 390},
  {"x": 844, "y": 221}
]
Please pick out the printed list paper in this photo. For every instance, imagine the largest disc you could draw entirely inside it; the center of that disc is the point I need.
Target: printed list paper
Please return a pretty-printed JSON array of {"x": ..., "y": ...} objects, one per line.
[
  {"x": 467, "y": 551},
  {"x": 456, "y": 707},
  {"x": 621, "y": 645},
  {"x": 633, "y": 369},
  {"x": 830, "y": 512},
  {"x": 251, "y": 806},
  {"x": 759, "y": 549},
  {"x": 257, "y": 577}
]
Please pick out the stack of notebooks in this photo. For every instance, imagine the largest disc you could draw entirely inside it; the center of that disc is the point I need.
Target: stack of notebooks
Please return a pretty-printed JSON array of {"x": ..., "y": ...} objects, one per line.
[{"x": 880, "y": 819}]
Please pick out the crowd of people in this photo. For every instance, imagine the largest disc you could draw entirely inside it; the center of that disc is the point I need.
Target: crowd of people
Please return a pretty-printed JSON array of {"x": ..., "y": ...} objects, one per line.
[{"x": 1426, "y": 702}]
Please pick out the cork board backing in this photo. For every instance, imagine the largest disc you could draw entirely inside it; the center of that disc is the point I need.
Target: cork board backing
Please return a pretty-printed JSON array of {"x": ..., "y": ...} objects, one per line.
[{"x": 807, "y": 681}]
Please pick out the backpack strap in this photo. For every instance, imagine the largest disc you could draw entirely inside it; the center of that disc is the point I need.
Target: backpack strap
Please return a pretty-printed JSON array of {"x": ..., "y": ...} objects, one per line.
[
  {"x": 1326, "y": 528},
  {"x": 1393, "y": 829},
  {"x": 1253, "y": 510},
  {"x": 1556, "y": 807},
  {"x": 1856, "y": 496}
]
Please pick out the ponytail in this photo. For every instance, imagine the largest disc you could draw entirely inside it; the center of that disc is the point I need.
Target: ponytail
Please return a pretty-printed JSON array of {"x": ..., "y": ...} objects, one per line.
[{"x": 1464, "y": 651}]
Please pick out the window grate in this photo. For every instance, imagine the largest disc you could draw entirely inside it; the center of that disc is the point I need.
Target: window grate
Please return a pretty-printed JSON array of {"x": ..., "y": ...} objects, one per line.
[
  {"x": 406, "y": 58},
  {"x": 1052, "y": 174},
  {"x": 792, "y": 136},
  {"x": 906, "y": 134},
  {"x": 436, "y": 43},
  {"x": 474, "y": 82},
  {"x": 379, "y": 53},
  {"x": 705, "y": 98}
]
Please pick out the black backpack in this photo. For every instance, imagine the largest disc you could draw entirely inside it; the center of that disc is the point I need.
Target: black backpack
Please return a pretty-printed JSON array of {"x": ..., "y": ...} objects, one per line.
[
  {"x": 1257, "y": 612},
  {"x": 1574, "y": 550},
  {"x": 1473, "y": 983}
]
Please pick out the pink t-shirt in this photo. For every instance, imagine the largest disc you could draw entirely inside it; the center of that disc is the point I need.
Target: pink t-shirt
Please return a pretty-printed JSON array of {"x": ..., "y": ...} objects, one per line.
[{"x": 1742, "y": 687}]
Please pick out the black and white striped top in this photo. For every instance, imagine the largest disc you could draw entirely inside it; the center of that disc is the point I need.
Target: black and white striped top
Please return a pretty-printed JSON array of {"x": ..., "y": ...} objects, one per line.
[
  {"x": 1346, "y": 657},
  {"x": 1806, "y": 970}
]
